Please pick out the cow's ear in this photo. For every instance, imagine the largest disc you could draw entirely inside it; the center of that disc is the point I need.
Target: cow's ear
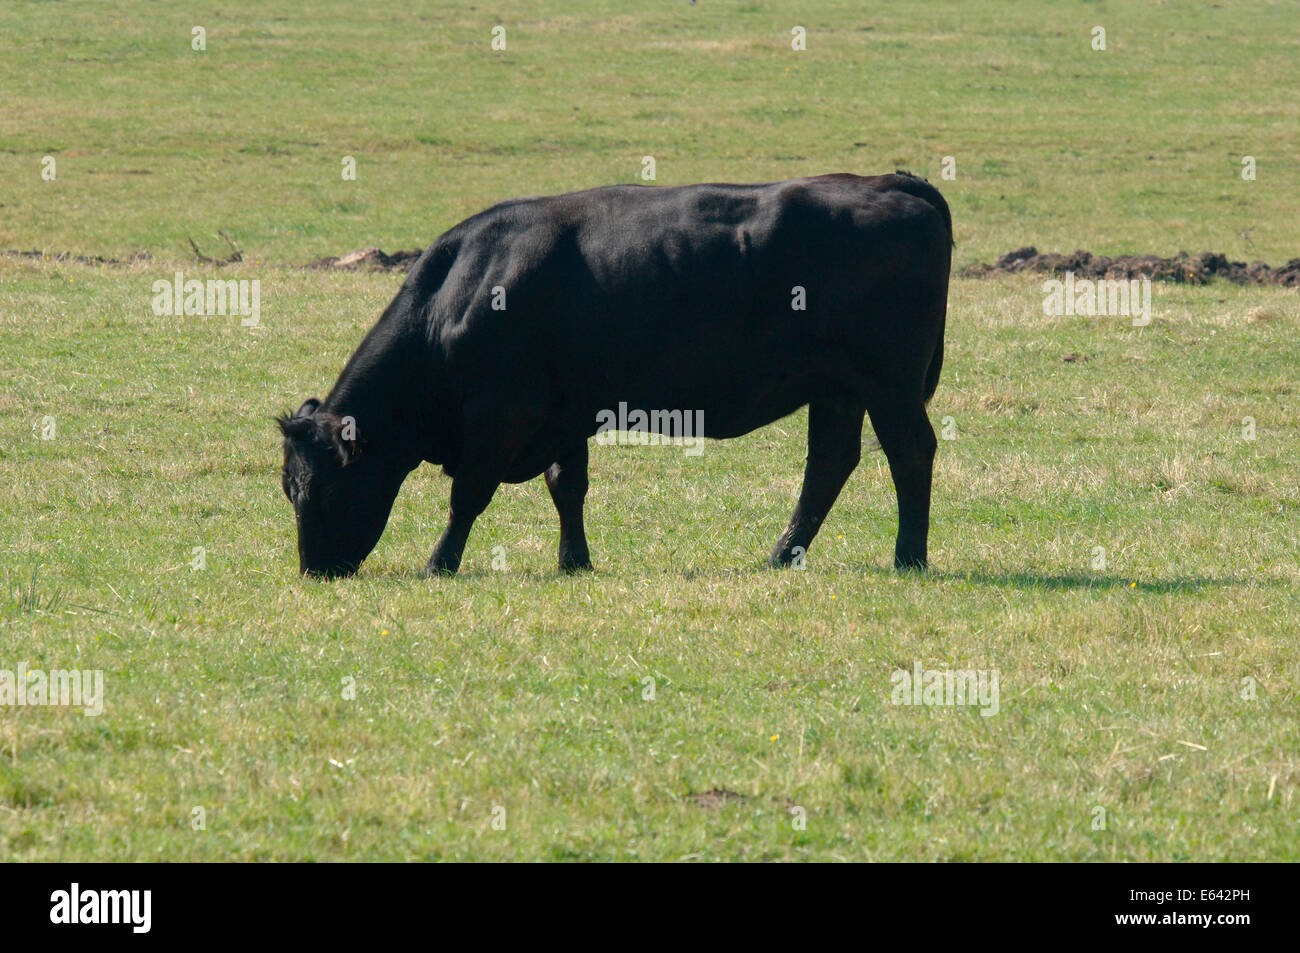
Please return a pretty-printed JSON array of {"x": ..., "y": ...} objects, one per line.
[
  {"x": 309, "y": 407},
  {"x": 300, "y": 422},
  {"x": 341, "y": 432}
]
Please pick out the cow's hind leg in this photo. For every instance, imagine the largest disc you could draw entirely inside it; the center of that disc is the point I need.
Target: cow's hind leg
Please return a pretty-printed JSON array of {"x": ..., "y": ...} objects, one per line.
[
  {"x": 907, "y": 438},
  {"x": 566, "y": 478},
  {"x": 834, "y": 448}
]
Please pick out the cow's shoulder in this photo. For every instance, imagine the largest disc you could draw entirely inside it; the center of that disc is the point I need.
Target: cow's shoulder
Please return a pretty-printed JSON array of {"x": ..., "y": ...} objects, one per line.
[{"x": 526, "y": 228}]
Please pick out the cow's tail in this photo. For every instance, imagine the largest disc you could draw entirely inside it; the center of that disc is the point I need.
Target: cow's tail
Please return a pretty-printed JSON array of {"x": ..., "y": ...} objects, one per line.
[
  {"x": 905, "y": 181},
  {"x": 936, "y": 363}
]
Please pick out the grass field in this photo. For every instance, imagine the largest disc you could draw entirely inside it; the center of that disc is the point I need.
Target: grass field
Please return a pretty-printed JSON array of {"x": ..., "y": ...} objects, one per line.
[
  {"x": 1147, "y": 707},
  {"x": 1134, "y": 149}
]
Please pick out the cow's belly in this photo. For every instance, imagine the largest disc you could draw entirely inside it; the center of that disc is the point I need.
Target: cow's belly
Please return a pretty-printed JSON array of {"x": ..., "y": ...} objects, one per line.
[
  {"x": 668, "y": 416},
  {"x": 734, "y": 387}
]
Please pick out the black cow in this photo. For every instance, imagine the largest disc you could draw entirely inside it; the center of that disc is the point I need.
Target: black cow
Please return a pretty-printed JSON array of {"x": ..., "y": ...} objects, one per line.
[{"x": 523, "y": 327}]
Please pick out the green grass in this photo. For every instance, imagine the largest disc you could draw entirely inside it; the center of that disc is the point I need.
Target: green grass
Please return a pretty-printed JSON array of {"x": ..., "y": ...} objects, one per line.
[
  {"x": 1121, "y": 688},
  {"x": 523, "y": 687},
  {"x": 1135, "y": 149}
]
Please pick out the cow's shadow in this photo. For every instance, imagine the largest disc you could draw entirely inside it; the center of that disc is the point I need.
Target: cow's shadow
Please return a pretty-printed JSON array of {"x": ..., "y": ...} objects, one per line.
[
  {"x": 1010, "y": 579},
  {"x": 1026, "y": 580},
  {"x": 474, "y": 574},
  {"x": 1071, "y": 581}
]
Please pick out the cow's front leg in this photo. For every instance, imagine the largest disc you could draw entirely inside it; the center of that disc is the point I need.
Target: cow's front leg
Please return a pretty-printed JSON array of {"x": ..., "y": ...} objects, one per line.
[
  {"x": 566, "y": 478},
  {"x": 470, "y": 495},
  {"x": 492, "y": 440},
  {"x": 834, "y": 448}
]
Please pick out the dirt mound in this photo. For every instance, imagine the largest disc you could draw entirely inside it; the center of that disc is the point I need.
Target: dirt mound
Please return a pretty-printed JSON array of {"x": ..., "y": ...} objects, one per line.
[
  {"x": 370, "y": 259},
  {"x": 77, "y": 259},
  {"x": 1184, "y": 269},
  {"x": 717, "y": 798}
]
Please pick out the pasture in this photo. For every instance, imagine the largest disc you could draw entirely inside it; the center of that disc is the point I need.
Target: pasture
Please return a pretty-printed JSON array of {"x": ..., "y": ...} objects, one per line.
[{"x": 1110, "y": 535}]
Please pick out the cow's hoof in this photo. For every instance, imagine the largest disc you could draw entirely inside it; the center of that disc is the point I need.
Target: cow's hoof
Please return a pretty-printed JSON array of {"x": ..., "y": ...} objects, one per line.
[
  {"x": 436, "y": 571},
  {"x": 906, "y": 563},
  {"x": 574, "y": 556}
]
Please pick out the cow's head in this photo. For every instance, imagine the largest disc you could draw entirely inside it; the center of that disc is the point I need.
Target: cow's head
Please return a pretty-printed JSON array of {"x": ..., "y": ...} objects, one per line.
[{"x": 341, "y": 489}]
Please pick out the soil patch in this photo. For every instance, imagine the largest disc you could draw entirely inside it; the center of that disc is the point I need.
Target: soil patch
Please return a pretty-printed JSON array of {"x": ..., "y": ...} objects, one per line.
[
  {"x": 1183, "y": 269},
  {"x": 718, "y": 797},
  {"x": 370, "y": 259},
  {"x": 77, "y": 259}
]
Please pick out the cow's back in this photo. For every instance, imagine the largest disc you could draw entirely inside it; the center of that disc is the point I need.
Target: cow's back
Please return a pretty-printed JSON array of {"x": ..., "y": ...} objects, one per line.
[{"x": 744, "y": 301}]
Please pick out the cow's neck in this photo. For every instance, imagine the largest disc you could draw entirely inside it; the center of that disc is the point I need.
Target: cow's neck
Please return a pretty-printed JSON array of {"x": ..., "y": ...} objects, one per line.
[{"x": 385, "y": 388}]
